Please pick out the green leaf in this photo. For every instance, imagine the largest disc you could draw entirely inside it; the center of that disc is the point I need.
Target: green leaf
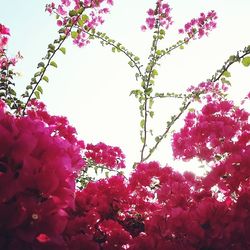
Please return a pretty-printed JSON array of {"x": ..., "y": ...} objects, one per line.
[
  {"x": 154, "y": 73},
  {"x": 80, "y": 22},
  {"x": 227, "y": 74},
  {"x": 136, "y": 58},
  {"x": 246, "y": 61},
  {"x": 51, "y": 47},
  {"x": 151, "y": 113},
  {"x": 157, "y": 138},
  {"x": 148, "y": 91},
  {"x": 162, "y": 32},
  {"x": 142, "y": 123},
  {"x": 85, "y": 18},
  {"x": 45, "y": 78},
  {"x": 12, "y": 91},
  {"x": 151, "y": 102},
  {"x": 72, "y": 13},
  {"x": 62, "y": 30},
  {"x": 28, "y": 87},
  {"x": 158, "y": 52},
  {"x": 224, "y": 80},
  {"x": 107, "y": 174},
  {"x": 74, "y": 34},
  {"x": 37, "y": 94},
  {"x": 40, "y": 64},
  {"x": 39, "y": 88},
  {"x": 37, "y": 74},
  {"x": 63, "y": 50},
  {"x": 53, "y": 63},
  {"x": 131, "y": 64}
]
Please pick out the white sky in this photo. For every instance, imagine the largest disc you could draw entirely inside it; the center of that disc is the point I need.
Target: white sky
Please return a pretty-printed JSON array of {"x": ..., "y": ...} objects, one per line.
[{"x": 91, "y": 85}]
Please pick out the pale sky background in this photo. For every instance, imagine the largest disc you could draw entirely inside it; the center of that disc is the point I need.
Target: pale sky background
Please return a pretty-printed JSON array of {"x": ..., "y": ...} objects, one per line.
[{"x": 91, "y": 85}]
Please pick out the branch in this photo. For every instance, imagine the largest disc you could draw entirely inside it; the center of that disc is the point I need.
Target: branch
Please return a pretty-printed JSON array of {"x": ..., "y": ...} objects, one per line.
[
  {"x": 151, "y": 65},
  {"x": 50, "y": 57},
  {"x": 231, "y": 60},
  {"x": 188, "y": 101},
  {"x": 110, "y": 42}
]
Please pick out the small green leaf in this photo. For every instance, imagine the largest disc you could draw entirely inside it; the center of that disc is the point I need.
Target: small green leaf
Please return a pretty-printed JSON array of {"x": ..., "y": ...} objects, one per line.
[
  {"x": 51, "y": 47},
  {"x": 151, "y": 102},
  {"x": 80, "y": 22},
  {"x": 37, "y": 94},
  {"x": 53, "y": 63},
  {"x": 157, "y": 138},
  {"x": 154, "y": 73},
  {"x": 246, "y": 61},
  {"x": 151, "y": 113},
  {"x": 162, "y": 32},
  {"x": 142, "y": 123},
  {"x": 148, "y": 91},
  {"x": 224, "y": 80},
  {"x": 62, "y": 30},
  {"x": 39, "y": 88},
  {"x": 131, "y": 64},
  {"x": 72, "y": 13},
  {"x": 107, "y": 174},
  {"x": 85, "y": 18},
  {"x": 143, "y": 84},
  {"x": 12, "y": 91},
  {"x": 136, "y": 58},
  {"x": 40, "y": 64},
  {"x": 45, "y": 78},
  {"x": 63, "y": 50},
  {"x": 158, "y": 52},
  {"x": 227, "y": 74},
  {"x": 37, "y": 74},
  {"x": 74, "y": 34},
  {"x": 28, "y": 87}
]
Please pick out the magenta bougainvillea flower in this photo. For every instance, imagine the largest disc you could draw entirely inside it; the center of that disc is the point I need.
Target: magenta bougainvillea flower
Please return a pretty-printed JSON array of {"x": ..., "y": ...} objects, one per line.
[{"x": 39, "y": 159}]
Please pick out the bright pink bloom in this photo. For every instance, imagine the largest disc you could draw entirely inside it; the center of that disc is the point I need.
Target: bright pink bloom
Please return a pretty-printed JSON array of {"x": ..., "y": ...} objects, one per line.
[
  {"x": 161, "y": 15},
  {"x": 198, "y": 27}
]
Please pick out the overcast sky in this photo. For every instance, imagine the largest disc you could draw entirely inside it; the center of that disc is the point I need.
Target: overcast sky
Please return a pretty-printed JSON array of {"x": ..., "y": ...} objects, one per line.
[{"x": 91, "y": 85}]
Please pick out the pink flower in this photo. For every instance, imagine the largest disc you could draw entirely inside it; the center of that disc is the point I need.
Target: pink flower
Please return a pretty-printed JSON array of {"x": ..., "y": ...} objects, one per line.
[
  {"x": 161, "y": 14},
  {"x": 199, "y": 26}
]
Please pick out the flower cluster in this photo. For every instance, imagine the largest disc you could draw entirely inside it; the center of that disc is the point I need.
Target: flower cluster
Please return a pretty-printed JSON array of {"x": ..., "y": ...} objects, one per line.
[
  {"x": 38, "y": 166},
  {"x": 210, "y": 133},
  {"x": 198, "y": 27},
  {"x": 84, "y": 15},
  {"x": 156, "y": 207},
  {"x": 4, "y": 33},
  {"x": 160, "y": 15},
  {"x": 102, "y": 154},
  {"x": 208, "y": 91},
  {"x": 5, "y": 62}
]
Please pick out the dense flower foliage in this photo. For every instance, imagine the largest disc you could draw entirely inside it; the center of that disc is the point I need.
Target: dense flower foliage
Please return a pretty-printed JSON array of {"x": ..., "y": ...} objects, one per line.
[
  {"x": 198, "y": 27},
  {"x": 4, "y": 33},
  {"x": 155, "y": 207},
  {"x": 111, "y": 157},
  {"x": 161, "y": 14},
  {"x": 69, "y": 12},
  {"x": 39, "y": 159}
]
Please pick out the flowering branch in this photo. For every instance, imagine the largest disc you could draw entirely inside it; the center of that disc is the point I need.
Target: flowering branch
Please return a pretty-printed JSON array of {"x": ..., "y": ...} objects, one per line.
[
  {"x": 231, "y": 60},
  {"x": 105, "y": 40},
  {"x": 52, "y": 50},
  {"x": 196, "y": 95}
]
